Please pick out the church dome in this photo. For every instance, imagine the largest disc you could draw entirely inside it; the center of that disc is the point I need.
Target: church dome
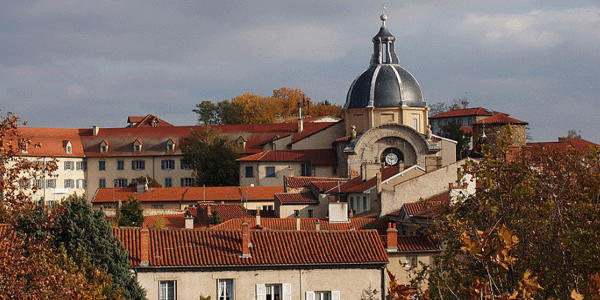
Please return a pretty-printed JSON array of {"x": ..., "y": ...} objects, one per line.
[{"x": 385, "y": 83}]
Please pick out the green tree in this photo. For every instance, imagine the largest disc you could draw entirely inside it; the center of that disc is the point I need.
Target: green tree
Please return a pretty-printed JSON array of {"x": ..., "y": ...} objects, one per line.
[
  {"x": 131, "y": 213},
  {"x": 208, "y": 113},
  {"x": 534, "y": 220},
  {"x": 142, "y": 179},
  {"x": 212, "y": 157},
  {"x": 453, "y": 131},
  {"x": 441, "y": 107}
]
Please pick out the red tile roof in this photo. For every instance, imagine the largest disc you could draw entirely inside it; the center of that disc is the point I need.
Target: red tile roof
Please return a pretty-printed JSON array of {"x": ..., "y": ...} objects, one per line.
[
  {"x": 316, "y": 157},
  {"x": 299, "y": 198},
  {"x": 222, "y": 248},
  {"x": 147, "y": 121},
  {"x": 306, "y": 181},
  {"x": 170, "y": 221},
  {"x": 306, "y": 224},
  {"x": 327, "y": 185},
  {"x": 225, "y": 211},
  {"x": 51, "y": 141},
  {"x": 358, "y": 185},
  {"x": 563, "y": 144},
  {"x": 416, "y": 243},
  {"x": 500, "y": 118},
  {"x": 476, "y": 111},
  {"x": 426, "y": 208},
  {"x": 175, "y": 194}
]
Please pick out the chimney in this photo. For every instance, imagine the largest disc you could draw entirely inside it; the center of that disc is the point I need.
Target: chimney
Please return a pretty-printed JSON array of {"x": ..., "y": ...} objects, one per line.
[
  {"x": 318, "y": 225},
  {"x": 95, "y": 130},
  {"x": 245, "y": 239},
  {"x": 189, "y": 221},
  {"x": 392, "y": 237},
  {"x": 298, "y": 227},
  {"x": 208, "y": 212},
  {"x": 290, "y": 171},
  {"x": 300, "y": 125},
  {"x": 258, "y": 209},
  {"x": 144, "y": 247}
]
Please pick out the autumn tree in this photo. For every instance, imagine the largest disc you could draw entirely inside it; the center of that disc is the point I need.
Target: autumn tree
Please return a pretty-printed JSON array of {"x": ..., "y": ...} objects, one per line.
[
  {"x": 325, "y": 108},
  {"x": 532, "y": 228},
  {"x": 212, "y": 157}
]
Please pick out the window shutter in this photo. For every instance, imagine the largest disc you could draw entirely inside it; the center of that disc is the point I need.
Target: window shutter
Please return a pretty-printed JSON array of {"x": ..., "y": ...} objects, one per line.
[
  {"x": 261, "y": 292},
  {"x": 286, "y": 291},
  {"x": 335, "y": 295},
  {"x": 310, "y": 295}
]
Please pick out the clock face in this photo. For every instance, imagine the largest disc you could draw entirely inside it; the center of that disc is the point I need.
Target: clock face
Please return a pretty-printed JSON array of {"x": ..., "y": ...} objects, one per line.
[
  {"x": 391, "y": 159},
  {"x": 391, "y": 156}
]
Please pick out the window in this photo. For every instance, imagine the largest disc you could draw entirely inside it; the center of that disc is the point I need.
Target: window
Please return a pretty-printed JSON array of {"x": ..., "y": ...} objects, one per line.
[
  {"x": 225, "y": 289},
  {"x": 137, "y": 147},
  {"x": 102, "y": 165},
  {"x": 183, "y": 165},
  {"x": 102, "y": 183},
  {"x": 157, "y": 206},
  {"x": 120, "y": 165},
  {"x": 416, "y": 124},
  {"x": 334, "y": 170},
  {"x": 69, "y": 165},
  {"x": 167, "y": 164},
  {"x": 358, "y": 203},
  {"x": 69, "y": 183},
  {"x": 306, "y": 170},
  {"x": 267, "y": 207},
  {"x": 351, "y": 203},
  {"x": 51, "y": 183},
  {"x": 170, "y": 146},
  {"x": 120, "y": 182},
  {"x": 270, "y": 172},
  {"x": 168, "y": 182},
  {"x": 51, "y": 203},
  {"x": 81, "y": 165},
  {"x": 138, "y": 164},
  {"x": 410, "y": 262},
  {"x": 39, "y": 183},
  {"x": 296, "y": 213},
  {"x": 365, "y": 203},
  {"x": 187, "y": 182},
  {"x": 273, "y": 291},
  {"x": 310, "y": 213},
  {"x": 323, "y": 295},
  {"x": 81, "y": 183},
  {"x": 69, "y": 149},
  {"x": 167, "y": 290},
  {"x": 249, "y": 172},
  {"x": 103, "y": 148}
]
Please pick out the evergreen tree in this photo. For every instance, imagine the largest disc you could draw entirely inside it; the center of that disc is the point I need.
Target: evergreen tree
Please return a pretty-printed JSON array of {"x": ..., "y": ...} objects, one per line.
[{"x": 131, "y": 213}]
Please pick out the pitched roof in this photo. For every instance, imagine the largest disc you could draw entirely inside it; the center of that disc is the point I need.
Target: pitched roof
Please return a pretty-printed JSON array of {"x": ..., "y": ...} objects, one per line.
[
  {"x": 225, "y": 211},
  {"x": 500, "y": 118},
  {"x": 316, "y": 157},
  {"x": 427, "y": 208},
  {"x": 475, "y": 111},
  {"x": 306, "y": 181},
  {"x": 358, "y": 185},
  {"x": 296, "y": 198},
  {"x": 306, "y": 224},
  {"x": 170, "y": 221},
  {"x": 51, "y": 141},
  {"x": 221, "y": 248},
  {"x": 565, "y": 143},
  {"x": 220, "y": 193},
  {"x": 416, "y": 243},
  {"x": 147, "y": 121}
]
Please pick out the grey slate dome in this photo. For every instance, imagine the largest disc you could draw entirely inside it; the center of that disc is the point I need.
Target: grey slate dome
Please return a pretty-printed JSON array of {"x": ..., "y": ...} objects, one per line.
[{"x": 385, "y": 83}]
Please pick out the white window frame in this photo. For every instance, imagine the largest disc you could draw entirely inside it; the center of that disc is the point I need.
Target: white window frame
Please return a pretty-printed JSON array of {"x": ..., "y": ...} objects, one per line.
[
  {"x": 69, "y": 183},
  {"x": 167, "y": 164},
  {"x": 81, "y": 183},
  {"x": 51, "y": 183},
  {"x": 120, "y": 182},
  {"x": 225, "y": 289},
  {"x": 266, "y": 292},
  {"x": 167, "y": 290},
  {"x": 69, "y": 165},
  {"x": 319, "y": 295}
]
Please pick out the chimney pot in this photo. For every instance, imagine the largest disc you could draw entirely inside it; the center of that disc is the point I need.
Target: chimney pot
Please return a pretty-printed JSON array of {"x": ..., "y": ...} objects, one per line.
[
  {"x": 245, "y": 239},
  {"x": 318, "y": 225},
  {"x": 392, "y": 237},
  {"x": 298, "y": 224},
  {"x": 95, "y": 130}
]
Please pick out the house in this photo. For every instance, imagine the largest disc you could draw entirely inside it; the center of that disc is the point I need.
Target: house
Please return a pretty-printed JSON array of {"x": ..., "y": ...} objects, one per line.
[
  {"x": 305, "y": 197},
  {"x": 249, "y": 197},
  {"x": 465, "y": 117},
  {"x": 563, "y": 144},
  {"x": 268, "y": 264},
  {"x": 202, "y": 215}
]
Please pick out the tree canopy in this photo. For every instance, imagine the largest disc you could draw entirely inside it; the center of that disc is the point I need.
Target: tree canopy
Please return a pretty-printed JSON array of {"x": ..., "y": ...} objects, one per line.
[
  {"x": 248, "y": 108},
  {"x": 131, "y": 213},
  {"x": 212, "y": 157},
  {"x": 453, "y": 131},
  {"x": 441, "y": 107},
  {"x": 530, "y": 232}
]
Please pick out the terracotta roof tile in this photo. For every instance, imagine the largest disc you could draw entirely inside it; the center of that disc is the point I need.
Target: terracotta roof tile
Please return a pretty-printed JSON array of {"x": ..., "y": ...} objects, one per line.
[
  {"x": 50, "y": 141},
  {"x": 305, "y": 181},
  {"x": 427, "y": 208},
  {"x": 316, "y": 157},
  {"x": 307, "y": 224},
  {"x": 476, "y": 111},
  {"x": 216, "y": 248},
  {"x": 225, "y": 211},
  {"x": 500, "y": 118},
  {"x": 297, "y": 198},
  {"x": 175, "y": 194},
  {"x": 358, "y": 185},
  {"x": 416, "y": 243},
  {"x": 565, "y": 143}
]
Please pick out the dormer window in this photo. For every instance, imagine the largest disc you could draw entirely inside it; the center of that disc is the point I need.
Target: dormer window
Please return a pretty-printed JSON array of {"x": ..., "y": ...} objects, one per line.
[
  {"x": 155, "y": 122},
  {"x": 104, "y": 147},
  {"x": 241, "y": 142},
  {"x": 137, "y": 146},
  {"x": 170, "y": 145},
  {"x": 68, "y": 147}
]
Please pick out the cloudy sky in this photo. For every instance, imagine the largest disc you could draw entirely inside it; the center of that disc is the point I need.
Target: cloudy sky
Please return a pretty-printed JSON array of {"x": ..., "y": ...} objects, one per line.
[{"x": 80, "y": 63}]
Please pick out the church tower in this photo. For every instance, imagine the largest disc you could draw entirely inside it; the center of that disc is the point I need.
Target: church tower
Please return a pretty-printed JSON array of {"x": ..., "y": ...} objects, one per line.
[{"x": 385, "y": 92}]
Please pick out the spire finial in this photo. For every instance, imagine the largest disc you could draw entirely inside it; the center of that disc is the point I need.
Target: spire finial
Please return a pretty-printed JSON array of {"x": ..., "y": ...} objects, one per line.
[{"x": 383, "y": 17}]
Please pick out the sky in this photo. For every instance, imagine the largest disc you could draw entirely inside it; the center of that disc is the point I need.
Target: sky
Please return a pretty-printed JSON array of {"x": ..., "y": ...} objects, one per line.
[{"x": 79, "y": 63}]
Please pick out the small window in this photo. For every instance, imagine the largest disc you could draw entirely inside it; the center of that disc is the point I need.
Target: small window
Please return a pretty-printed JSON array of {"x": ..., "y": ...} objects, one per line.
[
  {"x": 306, "y": 170},
  {"x": 334, "y": 170},
  {"x": 103, "y": 147},
  {"x": 351, "y": 203},
  {"x": 81, "y": 183},
  {"x": 249, "y": 172},
  {"x": 102, "y": 183},
  {"x": 416, "y": 124},
  {"x": 102, "y": 165},
  {"x": 167, "y": 164},
  {"x": 69, "y": 183},
  {"x": 81, "y": 165},
  {"x": 168, "y": 182},
  {"x": 69, "y": 165},
  {"x": 138, "y": 164},
  {"x": 270, "y": 172},
  {"x": 273, "y": 291},
  {"x": 120, "y": 165},
  {"x": 410, "y": 262},
  {"x": 39, "y": 183},
  {"x": 296, "y": 213},
  {"x": 51, "y": 183},
  {"x": 186, "y": 182},
  {"x": 322, "y": 295},
  {"x": 157, "y": 206},
  {"x": 120, "y": 182},
  {"x": 167, "y": 290},
  {"x": 225, "y": 289},
  {"x": 69, "y": 149},
  {"x": 310, "y": 213},
  {"x": 170, "y": 146},
  {"x": 183, "y": 165},
  {"x": 365, "y": 203}
]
